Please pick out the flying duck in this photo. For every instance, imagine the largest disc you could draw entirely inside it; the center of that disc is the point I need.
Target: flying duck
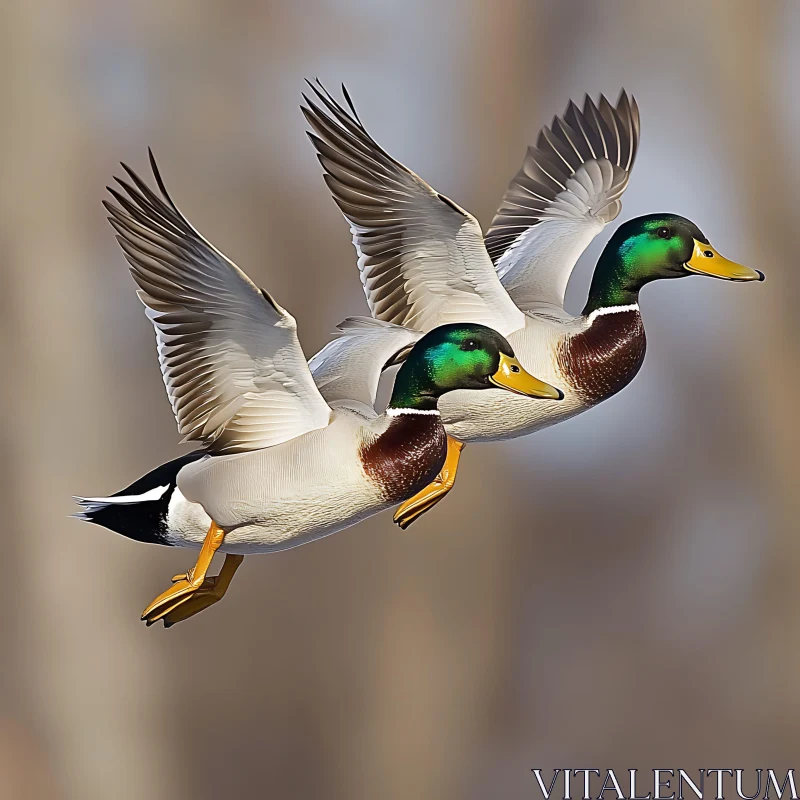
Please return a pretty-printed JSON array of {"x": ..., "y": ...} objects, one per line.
[{"x": 424, "y": 262}]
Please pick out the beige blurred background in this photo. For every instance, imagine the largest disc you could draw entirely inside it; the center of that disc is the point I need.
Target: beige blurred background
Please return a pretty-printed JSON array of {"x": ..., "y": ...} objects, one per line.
[{"x": 617, "y": 591}]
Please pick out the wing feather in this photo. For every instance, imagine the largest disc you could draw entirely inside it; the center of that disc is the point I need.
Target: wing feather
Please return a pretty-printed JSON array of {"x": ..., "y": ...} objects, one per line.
[
  {"x": 568, "y": 188},
  {"x": 233, "y": 367},
  {"x": 347, "y": 370},
  {"x": 421, "y": 257}
]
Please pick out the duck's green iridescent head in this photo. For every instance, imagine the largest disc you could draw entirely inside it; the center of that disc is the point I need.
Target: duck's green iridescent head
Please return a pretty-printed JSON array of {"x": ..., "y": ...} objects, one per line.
[
  {"x": 657, "y": 246},
  {"x": 462, "y": 356}
]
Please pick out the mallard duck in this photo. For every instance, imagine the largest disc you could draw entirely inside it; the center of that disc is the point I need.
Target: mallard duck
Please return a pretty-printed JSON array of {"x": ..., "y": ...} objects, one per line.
[
  {"x": 424, "y": 261},
  {"x": 281, "y": 466}
]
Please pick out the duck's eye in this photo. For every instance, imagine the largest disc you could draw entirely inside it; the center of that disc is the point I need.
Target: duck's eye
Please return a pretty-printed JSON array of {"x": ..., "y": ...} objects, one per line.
[
  {"x": 664, "y": 232},
  {"x": 470, "y": 344}
]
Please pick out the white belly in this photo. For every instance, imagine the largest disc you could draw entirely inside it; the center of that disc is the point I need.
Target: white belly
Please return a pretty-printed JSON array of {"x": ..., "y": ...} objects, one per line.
[
  {"x": 496, "y": 414},
  {"x": 282, "y": 496}
]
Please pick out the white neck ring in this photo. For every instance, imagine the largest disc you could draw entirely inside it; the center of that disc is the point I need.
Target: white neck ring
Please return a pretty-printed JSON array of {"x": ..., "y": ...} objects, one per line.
[
  {"x": 396, "y": 412},
  {"x": 599, "y": 312}
]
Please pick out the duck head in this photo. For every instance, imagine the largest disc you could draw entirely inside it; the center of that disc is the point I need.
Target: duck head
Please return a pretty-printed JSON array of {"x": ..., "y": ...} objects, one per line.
[
  {"x": 462, "y": 356},
  {"x": 658, "y": 246}
]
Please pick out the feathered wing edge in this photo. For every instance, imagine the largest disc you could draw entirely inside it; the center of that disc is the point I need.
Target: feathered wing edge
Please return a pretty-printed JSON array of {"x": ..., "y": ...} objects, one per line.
[
  {"x": 601, "y": 135},
  {"x": 370, "y": 187},
  {"x": 421, "y": 256},
  {"x": 219, "y": 336}
]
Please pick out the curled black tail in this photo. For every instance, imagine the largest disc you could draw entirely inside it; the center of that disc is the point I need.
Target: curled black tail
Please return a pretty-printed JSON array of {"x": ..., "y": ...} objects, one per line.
[{"x": 139, "y": 511}]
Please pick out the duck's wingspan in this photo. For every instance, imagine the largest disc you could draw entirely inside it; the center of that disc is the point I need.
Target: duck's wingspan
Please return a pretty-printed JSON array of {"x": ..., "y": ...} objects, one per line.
[
  {"x": 568, "y": 188},
  {"x": 422, "y": 258},
  {"x": 347, "y": 370},
  {"x": 234, "y": 370}
]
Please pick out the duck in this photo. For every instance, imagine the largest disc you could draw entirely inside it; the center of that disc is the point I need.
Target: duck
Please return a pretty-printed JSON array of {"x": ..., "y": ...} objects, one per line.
[
  {"x": 278, "y": 466},
  {"x": 424, "y": 261}
]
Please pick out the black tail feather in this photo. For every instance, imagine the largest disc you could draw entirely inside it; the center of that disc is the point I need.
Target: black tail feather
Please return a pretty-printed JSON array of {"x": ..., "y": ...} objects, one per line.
[{"x": 143, "y": 520}]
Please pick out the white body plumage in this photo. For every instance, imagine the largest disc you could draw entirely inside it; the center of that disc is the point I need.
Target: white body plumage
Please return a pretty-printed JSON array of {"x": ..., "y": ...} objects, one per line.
[{"x": 281, "y": 496}]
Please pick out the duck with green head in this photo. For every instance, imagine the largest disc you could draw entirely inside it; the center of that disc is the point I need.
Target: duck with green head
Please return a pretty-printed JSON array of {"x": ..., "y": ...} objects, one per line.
[
  {"x": 281, "y": 466},
  {"x": 649, "y": 248},
  {"x": 424, "y": 261}
]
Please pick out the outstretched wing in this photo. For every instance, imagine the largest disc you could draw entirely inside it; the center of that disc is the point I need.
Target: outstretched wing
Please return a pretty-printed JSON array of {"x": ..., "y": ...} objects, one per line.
[
  {"x": 234, "y": 370},
  {"x": 422, "y": 258},
  {"x": 347, "y": 370},
  {"x": 568, "y": 188}
]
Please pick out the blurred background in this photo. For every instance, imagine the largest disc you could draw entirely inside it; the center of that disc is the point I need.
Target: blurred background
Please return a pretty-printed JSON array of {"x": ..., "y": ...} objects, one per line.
[{"x": 616, "y": 591}]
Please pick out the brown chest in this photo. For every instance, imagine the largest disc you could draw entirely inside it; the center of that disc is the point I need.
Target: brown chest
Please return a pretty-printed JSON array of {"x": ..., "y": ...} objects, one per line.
[
  {"x": 407, "y": 456},
  {"x": 604, "y": 358}
]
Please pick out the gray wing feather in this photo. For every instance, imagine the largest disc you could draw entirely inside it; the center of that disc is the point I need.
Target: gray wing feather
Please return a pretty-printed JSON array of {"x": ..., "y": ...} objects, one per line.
[
  {"x": 233, "y": 367},
  {"x": 349, "y": 367},
  {"x": 422, "y": 258},
  {"x": 569, "y": 186}
]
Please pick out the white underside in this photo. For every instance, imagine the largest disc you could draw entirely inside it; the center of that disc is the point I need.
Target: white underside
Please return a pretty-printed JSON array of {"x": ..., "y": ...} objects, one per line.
[{"x": 279, "y": 497}]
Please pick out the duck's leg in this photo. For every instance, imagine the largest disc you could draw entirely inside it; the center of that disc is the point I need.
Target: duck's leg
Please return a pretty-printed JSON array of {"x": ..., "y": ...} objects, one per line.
[
  {"x": 212, "y": 591},
  {"x": 425, "y": 500},
  {"x": 189, "y": 583}
]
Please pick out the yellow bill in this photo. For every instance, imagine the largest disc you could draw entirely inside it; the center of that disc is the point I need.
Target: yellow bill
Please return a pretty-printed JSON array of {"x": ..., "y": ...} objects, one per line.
[
  {"x": 706, "y": 260},
  {"x": 510, "y": 375}
]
